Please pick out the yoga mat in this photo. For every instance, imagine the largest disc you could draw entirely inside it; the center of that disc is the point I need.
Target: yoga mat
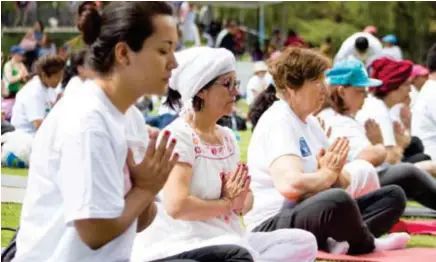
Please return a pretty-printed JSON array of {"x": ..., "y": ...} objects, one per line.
[
  {"x": 419, "y": 212},
  {"x": 404, "y": 255},
  {"x": 416, "y": 227}
]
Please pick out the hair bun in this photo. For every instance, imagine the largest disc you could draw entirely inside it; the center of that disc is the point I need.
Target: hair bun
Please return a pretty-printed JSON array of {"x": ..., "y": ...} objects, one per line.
[{"x": 90, "y": 25}]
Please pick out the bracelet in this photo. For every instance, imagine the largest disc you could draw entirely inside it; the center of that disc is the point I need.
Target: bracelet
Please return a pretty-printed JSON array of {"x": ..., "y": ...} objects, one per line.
[{"x": 230, "y": 203}]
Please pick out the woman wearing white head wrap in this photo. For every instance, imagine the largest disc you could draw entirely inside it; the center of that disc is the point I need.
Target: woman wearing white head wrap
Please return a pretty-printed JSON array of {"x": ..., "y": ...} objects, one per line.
[{"x": 208, "y": 188}]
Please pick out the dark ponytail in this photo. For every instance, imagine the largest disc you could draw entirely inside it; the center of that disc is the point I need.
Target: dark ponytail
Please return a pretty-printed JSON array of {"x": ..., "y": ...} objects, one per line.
[
  {"x": 262, "y": 102},
  {"x": 173, "y": 100},
  {"x": 77, "y": 59}
]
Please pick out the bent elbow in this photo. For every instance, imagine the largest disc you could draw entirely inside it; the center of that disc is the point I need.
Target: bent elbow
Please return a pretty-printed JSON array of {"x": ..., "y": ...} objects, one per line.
[
  {"x": 174, "y": 213},
  {"x": 94, "y": 246},
  {"x": 92, "y": 243},
  {"x": 290, "y": 191},
  {"x": 376, "y": 155},
  {"x": 382, "y": 155},
  {"x": 174, "y": 209}
]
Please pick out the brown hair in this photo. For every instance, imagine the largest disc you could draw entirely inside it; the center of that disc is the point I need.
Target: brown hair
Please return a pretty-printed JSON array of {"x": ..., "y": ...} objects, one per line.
[
  {"x": 49, "y": 64},
  {"x": 295, "y": 65},
  {"x": 290, "y": 69},
  {"x": 335, "y": 101}
]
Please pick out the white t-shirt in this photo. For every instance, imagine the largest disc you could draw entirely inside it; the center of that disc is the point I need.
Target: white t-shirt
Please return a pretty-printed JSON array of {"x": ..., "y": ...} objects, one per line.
[
  {"x": 395, "y": 112},
  {"x": 424, "y": 117},
  {"x": 393, "y": 52},
  {"x": 346, "y": 126},
  {"x": 347, "y": 49},
  {"x": 74, "y": 83},
  {"x": 413, "y": 94},
  {"x": 78, "y": 171},
  {"x": 257, "y": 84},
  {"x": 167, "y": 236},
  {"x": 376, "y": 109},
  {"x": 33, "y": 102},
  {"x": 279, "y": 132}
]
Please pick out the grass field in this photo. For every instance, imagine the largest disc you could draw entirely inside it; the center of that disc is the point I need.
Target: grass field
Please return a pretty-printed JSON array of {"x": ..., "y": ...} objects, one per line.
[
  {"x": 14, "y": 171},
  {"x": 11, "y": 212}
]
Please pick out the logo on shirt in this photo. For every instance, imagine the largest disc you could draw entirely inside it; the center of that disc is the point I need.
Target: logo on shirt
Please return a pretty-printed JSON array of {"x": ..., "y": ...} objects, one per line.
[{"x": 304, "y": 148}]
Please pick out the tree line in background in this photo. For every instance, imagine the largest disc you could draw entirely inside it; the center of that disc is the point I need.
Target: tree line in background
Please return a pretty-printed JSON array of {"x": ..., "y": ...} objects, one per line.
[{"x": 414, "y": 23}]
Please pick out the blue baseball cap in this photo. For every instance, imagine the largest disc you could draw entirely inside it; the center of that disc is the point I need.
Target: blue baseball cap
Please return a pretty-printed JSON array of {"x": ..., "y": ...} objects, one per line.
[
  {"x": 392, "y": 39},
  {"x": 16, "y": 49},
  {"x": 350, "y": 72}
]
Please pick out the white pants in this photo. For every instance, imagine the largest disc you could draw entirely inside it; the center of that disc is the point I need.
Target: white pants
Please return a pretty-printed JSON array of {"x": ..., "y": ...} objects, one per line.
[
  {"x": 283, "y": 245},
  {"x": 363, "y": 178}
]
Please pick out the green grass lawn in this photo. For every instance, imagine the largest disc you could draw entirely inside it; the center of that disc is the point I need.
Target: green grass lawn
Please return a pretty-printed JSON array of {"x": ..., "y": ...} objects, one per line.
[
  {"x": 14, "y": 171},
  {"x": 10, "y": 218}
]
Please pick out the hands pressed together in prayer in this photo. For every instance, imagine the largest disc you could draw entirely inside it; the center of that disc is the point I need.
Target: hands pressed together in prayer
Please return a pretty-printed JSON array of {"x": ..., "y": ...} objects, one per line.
[
  {"x": 151, "y": 174},
  {"x": 235, "y": 188},
  {"x": 402, "y": 136},
  {"x": 373, "y": 132},
  {"x": 406, "y": 116},
  {"x": 334, "y": 158}
]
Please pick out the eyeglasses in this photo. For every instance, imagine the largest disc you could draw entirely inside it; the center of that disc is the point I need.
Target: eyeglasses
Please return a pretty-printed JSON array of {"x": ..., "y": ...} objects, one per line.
[{"x": 229, "y": 83}]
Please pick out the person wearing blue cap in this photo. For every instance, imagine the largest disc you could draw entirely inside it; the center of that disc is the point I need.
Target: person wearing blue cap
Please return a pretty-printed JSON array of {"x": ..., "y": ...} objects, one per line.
[
  {"x": 15, "y": 73},
  {"x": 391, "y": 48},
  {"x": 348, "y": 81}
]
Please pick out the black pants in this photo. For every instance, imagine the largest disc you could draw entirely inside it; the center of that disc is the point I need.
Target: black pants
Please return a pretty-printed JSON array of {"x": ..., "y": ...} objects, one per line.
[
  {"x": 414, "y": 153},
  {"x": 416, "y": 183},
  {"x": 222, "y": 253},
  {"x": 333, "y": 213},
  {"x": 6, "y": 127}
]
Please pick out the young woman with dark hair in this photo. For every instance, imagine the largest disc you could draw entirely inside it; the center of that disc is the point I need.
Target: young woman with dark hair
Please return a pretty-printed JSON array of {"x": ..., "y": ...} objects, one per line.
[
  {"x": 77, "y": 72},
  {"x": 93, "y": 175},
  {"x": 298, "y": 176}
]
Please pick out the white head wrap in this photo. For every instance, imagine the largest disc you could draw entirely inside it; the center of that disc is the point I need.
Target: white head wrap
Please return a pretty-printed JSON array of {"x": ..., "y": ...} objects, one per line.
[{"x": 197, "y": 67}]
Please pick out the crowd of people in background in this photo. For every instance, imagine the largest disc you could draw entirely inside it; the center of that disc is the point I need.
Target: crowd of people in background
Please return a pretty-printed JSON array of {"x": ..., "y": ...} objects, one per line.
[{"x": 347, "y": 135}]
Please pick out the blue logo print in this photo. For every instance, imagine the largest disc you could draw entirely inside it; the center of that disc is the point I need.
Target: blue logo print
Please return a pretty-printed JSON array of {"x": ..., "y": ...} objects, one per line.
[{"x": 304, "y": 148}]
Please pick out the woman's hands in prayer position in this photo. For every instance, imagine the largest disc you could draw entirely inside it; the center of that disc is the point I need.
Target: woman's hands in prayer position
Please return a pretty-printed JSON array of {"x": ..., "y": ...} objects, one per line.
[
  {"x": 151, "y": 174},
  {"x": 373, "y": 132},
  {"x": 401, "y": 135},
  {"x": 335, "y": 157},
  {"x": 235, "y": 188},
  {"x": 406, "y": 116},
  {"x": 148, "y": 177}
]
